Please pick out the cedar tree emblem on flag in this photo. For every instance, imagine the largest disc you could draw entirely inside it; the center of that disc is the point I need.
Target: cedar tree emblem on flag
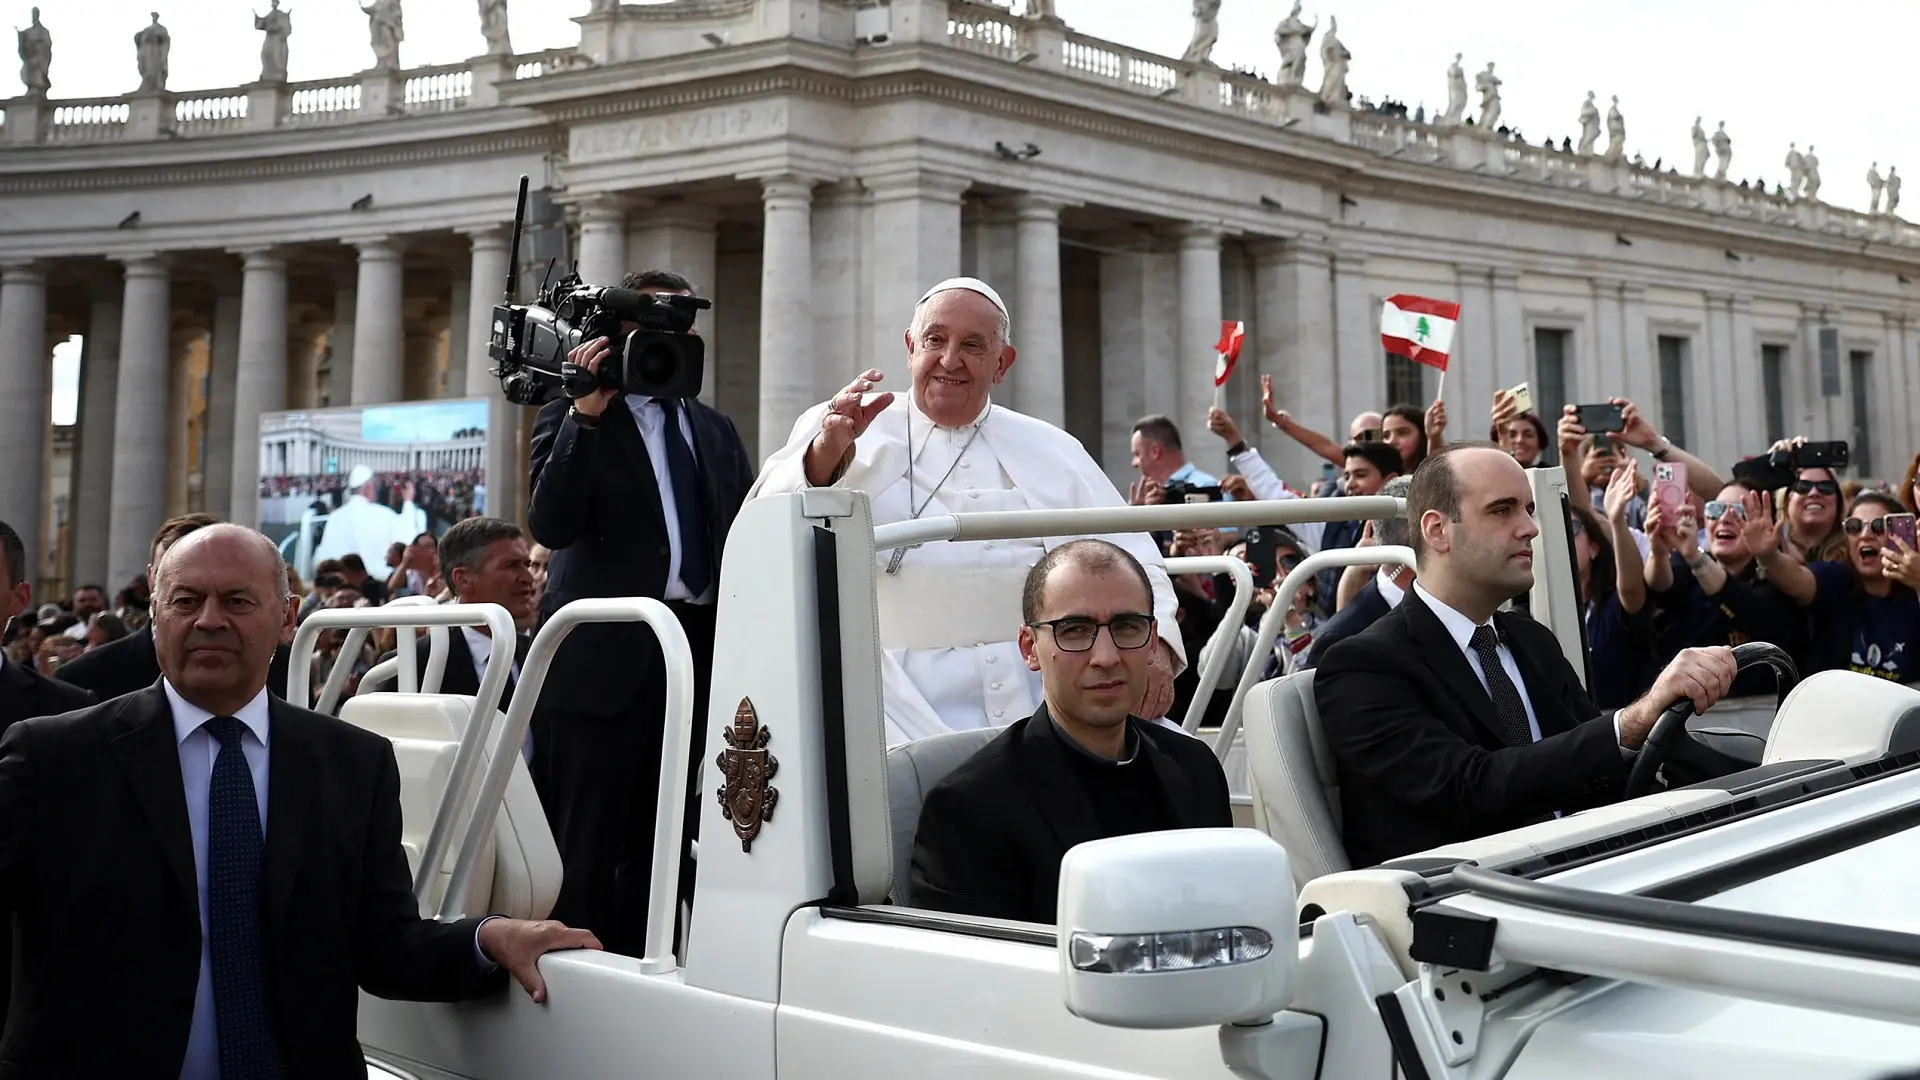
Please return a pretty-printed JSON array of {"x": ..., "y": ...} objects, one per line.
[
  {"x": 1232, "y": 336},
  {"x": 1418, "y": 328}
]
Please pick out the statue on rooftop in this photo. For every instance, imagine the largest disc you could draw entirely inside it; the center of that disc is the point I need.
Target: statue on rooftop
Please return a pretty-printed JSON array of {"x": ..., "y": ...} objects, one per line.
[
  {"x": 1489, "y": 86},
  {"x": 1616, "y": 131},
  {"x": 1699, "y": 148},
  {"x": 1796, "y": 170},
  {"x": 1811, "y": 174},
  {"x": 36, "y": 56},
  {"x": 273, "y": 51},
  {"x": 385, "y": 28},
  {"x": 1041, "y": 9},
  {"x": 1875, "y": 185},
  {"x": 151, "y": 46},
  {"x": 1292, "y": 37},
  {"x": 1456, "y": 93},
  {"x": 1206, "y": 31},
  {"x": 1893, "y": 189},
  {"x": 1589, "y": 126},
  {"x": 493, "y": 27},
  {"x": 1722, "y": 151},
  {"x": 1333, "y": 63}
]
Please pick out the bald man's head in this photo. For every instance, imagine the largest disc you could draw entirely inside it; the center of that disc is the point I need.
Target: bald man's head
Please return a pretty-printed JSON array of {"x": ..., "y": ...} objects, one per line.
[{"x": 219, "y": 611}]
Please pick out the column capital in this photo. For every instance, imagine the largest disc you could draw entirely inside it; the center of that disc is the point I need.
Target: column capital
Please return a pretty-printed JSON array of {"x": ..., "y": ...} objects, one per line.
[
  {"x": 22, "y": 272},
  {"x": 377, "y": 247},
  {"x": 1633, "y": 291},
  {"x": 917, "y": 184},
  {"x": 1199, "y": 235},
  {"x": 145, "y": 264},
  {"x": 1607, "y": 286},
  {"x": 1029, "y": 206},
  {"x": 261, "y": 258},
  {"x": 495, "y": 235},
  {"x": 1477, "y": 272},
  {"x": 1505, "y": 277},
  {"x": 605, "y": 208},
  {"x": 843, "y": 192},
  {"x": 787, "y": 189},
  {"x": 1349, "y": 262}
]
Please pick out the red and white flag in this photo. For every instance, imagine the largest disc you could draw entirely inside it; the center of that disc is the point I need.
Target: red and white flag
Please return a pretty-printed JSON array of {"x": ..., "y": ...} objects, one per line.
[
  {"x": 1232, "y": 336},
  {"x": 1418, "y": 328}
]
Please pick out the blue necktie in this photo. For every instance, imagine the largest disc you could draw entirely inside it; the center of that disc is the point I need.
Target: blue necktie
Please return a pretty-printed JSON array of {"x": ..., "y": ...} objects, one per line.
[
  {"x": 236, "y": 939},
  {"x": 696, "y": 548}
]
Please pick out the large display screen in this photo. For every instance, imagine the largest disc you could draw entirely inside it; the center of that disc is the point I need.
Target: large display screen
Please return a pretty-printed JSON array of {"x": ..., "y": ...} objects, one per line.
[{"x": 360, "y": 479}]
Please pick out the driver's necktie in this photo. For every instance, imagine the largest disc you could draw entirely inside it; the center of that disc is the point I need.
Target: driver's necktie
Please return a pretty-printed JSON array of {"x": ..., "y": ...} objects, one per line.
[
  {"x": 1507, "y": 704},
  {"x": 236, "y": 938}
]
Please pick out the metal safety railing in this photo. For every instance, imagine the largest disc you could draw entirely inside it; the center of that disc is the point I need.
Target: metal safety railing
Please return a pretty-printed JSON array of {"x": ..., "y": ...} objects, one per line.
[{"x": 1220, "y": 645}]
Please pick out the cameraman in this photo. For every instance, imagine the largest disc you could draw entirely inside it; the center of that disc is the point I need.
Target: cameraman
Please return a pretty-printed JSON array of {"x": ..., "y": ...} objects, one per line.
[{"x": 634, "y": 496}]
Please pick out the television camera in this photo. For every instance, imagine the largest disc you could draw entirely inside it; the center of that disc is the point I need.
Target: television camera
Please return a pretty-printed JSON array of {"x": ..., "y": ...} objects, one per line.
[{"x": 530, "y": 343}]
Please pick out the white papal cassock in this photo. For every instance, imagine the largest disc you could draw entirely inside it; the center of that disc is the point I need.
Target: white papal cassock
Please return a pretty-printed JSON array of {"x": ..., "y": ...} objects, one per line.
[{"x": 949, "y": 618}]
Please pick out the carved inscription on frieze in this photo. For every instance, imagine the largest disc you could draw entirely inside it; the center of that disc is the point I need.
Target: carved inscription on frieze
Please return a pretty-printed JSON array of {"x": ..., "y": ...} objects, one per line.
[{"x": 722, "y": 125}]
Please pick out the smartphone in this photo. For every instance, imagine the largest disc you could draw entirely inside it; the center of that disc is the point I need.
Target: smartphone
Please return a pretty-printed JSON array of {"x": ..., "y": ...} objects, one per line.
[
  {"x": 1260, "y": 555},
  {"x": 1670, "y": 485},
  {"x": 1522, "y": 398},
  {"x": 1820, "y": 455},
  {"x": 1601, "y": 418},
  {"x": 1901, "y": 525}
]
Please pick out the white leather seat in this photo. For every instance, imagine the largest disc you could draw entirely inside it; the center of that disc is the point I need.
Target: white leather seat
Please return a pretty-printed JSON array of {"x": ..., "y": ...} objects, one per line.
[
  {"x": 520, "y": 870},
  {"x": 912, "y": 770},
  {"x": 1296, "y": 796}
]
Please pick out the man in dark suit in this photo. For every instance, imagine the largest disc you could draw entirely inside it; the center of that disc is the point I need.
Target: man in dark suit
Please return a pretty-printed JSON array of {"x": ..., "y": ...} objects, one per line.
[
  {"x": 1382, "y": 592},
  {"x": 634, "y": 496},
  {"x": 218, "y": 871},
  {"x": 1449, "y": 720},
  {"x": 130, "y": 664},
  {"x": 1081, "y": 768}
]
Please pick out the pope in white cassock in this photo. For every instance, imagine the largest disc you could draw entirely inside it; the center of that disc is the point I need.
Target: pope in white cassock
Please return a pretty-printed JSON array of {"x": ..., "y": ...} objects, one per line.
[
  {"x": 950, "y": 612},
  {"x": 360, "y": 526}
]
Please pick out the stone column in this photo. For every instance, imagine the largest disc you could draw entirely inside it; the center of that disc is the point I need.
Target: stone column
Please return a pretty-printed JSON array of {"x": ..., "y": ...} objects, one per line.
[
  {"x": 1293, "y": 285},
  {"x": 1040, "y": 372},
  {"x": 93, "y": 478},
  {"x": 1511, "y": 348},
  {"x": 915, "y": 244},
  {"x": 422, "y": 345},
  {"x": 1362, "y": 370},
  {"x": 140, "y": 419},
  {"x": 1718, "y": 414},
  {"x": 603, "y": 239},
  {"x": 340, "y": 341},
  {"x": 379, "y": 318},
  {"x": 1473, "y": 368},
  {"x": 1199, "y": 332},
  {"x": 223, "y": 389},
  {"x": 303, "y": 357},
  {"x": 786, "y": 308},
  {"x": 24, "y": 361},
  {"x": 180, "y": 415},
  {"x": 1128, "y": 281},
  {"x": 453, "y": 381},
  {"x": 1609, "y": 367},
  {"x": 839, "y": 300},
  {"x": 261, "y": 382},
  {"x": 503, "y": 465},
  {"x": 1643, "y": 380}
]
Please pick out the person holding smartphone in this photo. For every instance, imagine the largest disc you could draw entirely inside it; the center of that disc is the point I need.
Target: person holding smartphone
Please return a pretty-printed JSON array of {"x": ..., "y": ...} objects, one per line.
[{"x": 1866, "y": 613}]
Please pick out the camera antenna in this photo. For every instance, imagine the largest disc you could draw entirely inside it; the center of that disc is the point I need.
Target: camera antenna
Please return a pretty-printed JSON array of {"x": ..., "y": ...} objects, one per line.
[{"x": 513, "y": 253}]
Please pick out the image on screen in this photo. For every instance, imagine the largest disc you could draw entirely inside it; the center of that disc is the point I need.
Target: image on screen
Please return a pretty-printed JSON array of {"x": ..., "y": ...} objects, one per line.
[{"x": 359, "y": 479}]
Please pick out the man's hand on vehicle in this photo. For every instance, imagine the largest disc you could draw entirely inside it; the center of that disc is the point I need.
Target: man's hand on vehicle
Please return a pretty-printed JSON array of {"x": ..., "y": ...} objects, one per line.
[
  {"x": 847, "y": 418},
  {"x": 1702, "y": 676},
  {"x": 589, "y": 354},
  {"x": 518, "y": 945}
]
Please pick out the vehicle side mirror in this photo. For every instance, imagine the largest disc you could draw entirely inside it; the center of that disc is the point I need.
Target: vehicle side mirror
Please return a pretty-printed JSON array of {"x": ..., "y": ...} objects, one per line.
[{"x": 1178, "y": 929}]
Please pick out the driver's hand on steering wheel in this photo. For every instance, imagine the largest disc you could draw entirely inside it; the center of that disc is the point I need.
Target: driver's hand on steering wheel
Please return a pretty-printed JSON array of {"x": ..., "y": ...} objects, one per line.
[{"x": 1702, "y": 676}]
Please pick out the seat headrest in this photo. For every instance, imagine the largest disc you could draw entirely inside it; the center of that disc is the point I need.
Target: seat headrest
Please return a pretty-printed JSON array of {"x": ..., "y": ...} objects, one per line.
[{"x": 912, "y": 770}]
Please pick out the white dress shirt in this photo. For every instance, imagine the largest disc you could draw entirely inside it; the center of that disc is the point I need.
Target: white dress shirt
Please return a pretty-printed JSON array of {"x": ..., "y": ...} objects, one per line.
[
  {"x": 198, "y": 749},
  {"x": 480, "y": 647},
  {"x": 1461, "y": 629},
  {"x": 651, "y": 417}
]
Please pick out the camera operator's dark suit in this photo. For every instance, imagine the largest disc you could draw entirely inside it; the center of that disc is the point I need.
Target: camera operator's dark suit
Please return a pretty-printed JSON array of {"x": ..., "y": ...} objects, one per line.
[{"x": 596, "y": 502}]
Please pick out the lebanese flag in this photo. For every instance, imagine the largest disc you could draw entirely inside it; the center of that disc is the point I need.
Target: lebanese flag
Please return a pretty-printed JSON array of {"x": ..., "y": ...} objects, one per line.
[
  {"x": 1418, "y": 328},
  {"x": 1232, "y": 336}
]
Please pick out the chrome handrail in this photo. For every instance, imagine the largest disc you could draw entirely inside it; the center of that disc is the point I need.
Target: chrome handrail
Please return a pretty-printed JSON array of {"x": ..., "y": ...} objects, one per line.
[
  {"x": 1024, "y": 524},
  {"x": 1218, "y": 646}
]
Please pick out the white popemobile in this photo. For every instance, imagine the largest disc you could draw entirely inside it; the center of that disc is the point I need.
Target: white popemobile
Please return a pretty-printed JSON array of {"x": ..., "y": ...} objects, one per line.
[{"x": 1759, "y": 925}]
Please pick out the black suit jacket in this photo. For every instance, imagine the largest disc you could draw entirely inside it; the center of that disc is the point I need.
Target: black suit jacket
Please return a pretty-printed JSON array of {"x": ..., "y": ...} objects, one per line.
[
  {"x": 1365, "y": 609},
  {"x": 1418, "y": 750},
  {"x": 992, "y": 834},
  {"x": 130, "y": 665},
  {"x": 97, "y": 869},
  {"x": 596, "y": 504}
]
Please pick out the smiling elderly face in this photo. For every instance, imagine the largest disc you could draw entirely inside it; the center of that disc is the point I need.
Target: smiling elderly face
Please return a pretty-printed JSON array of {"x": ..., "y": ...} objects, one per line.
[{"x": 957, "y": 353}]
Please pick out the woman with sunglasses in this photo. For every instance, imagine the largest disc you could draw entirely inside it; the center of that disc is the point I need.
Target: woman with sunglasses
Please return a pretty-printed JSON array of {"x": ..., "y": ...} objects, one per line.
[
  {"x": 1613, "y": 593},
  {"x": 1864, "y": 618},
  {"x": 1731, "y": 592},
  {"x": 1813, "y": 529}
]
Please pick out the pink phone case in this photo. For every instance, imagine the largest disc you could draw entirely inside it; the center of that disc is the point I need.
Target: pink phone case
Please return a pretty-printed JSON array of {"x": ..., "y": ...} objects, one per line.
[{"x": 1670, "y": 484}]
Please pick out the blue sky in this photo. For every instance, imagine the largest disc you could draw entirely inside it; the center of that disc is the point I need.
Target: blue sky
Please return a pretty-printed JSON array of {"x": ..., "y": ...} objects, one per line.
[{"x": 426, "y": 421}]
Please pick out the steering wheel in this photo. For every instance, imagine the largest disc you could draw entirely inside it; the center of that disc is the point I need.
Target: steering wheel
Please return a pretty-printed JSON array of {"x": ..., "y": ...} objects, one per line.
[{"x": 1666, "y": 731}]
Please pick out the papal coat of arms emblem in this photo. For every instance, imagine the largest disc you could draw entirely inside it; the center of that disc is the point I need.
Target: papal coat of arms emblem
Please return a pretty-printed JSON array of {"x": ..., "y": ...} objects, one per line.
[{"x": 746, "y": 797}]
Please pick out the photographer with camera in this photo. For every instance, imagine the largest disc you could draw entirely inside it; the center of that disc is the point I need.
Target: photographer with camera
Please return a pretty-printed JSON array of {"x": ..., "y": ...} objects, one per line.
[{"x": 634, "y": 494}]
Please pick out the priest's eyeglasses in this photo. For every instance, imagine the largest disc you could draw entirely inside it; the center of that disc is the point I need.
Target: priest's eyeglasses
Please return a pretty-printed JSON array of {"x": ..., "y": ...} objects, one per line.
[{"x": 1077, "y": 634}]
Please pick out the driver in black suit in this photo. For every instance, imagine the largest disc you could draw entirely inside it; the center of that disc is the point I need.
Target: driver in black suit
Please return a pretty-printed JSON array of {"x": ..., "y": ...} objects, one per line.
[
  {"x": 634, "y": 496},
  {"x": 1449, "y": 720}
]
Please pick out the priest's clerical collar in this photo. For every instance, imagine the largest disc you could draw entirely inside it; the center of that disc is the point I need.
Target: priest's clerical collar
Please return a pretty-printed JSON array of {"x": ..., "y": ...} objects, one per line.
[
  {"x": 924, "y": 421},
  {"x": 1130, "y": 751}
]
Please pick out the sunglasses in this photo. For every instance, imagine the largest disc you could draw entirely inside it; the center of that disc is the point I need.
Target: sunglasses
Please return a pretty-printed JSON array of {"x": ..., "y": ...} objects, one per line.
[
  {"x": 1855, "y": 526},
  {"x": 1371, "y": 435},
  {"x": 1809, "y": 487},
  {"x": 1717, "y": 510}
]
